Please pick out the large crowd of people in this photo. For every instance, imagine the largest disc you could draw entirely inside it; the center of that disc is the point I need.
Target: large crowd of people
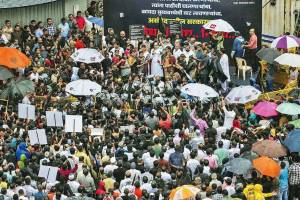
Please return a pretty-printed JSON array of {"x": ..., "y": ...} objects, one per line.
[{"x": 175, "y": 139}]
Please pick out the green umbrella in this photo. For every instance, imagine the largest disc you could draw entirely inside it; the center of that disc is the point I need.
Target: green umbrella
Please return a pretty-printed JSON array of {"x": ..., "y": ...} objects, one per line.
[
  {"x": 5, "y": 74},
  {"x": 18, "y": 87},
  {"x": 268, "y": 54},
  {"x": 289, "y": 108},
  {"x": 296, "y": 123}
]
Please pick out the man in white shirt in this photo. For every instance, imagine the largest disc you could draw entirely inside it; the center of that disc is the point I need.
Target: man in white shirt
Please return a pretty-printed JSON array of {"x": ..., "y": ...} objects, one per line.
[
  {"x": 192, "y": 163},
  {"x": 229, "y": 115},
  {"x": 233, "y": 150},
  {"x": 224, "y": 62},
  {"x": 111, "y": 167},
  {"x": 165, "y": 175},
  {"x": 30, "y": 190},
  {"x": 116, "y": 49},
  {"x": 149, "y": 161},
  {"x": 188, "y": 53},
  {"x": 146, "y": 174},
  {"x": 74, "y": 185},
  {"x": 145, "y": 185},
  {"x": 177, "y": 51},
  {"x": 34, "y": 76},
  {"x": 126, "y": 181},
  {"x": 3, "y": 38},
  {"x": 200, "y": 152}
]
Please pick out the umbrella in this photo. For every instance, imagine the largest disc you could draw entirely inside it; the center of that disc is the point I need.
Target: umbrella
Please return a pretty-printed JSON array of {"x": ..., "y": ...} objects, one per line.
[
  {"x": 18, "y": 87},
  {"x": 268, "y": 54},
  {"x": 13, "y": 58},
  {"x": 5, "y": 74},
  {"x": 83, "y": 88},
  {"x": 296, "y": 123},
  {"x": 292, "y": 141},
  {"x": 96, "y": 20},
  {"x": 199, "y": 90},
  {"x": 243, "y": 94},
  {"x": 286, "y": 42},
  {"x": 290, "y": 59},
  {"x": 265, "y": 109},
  {"x": 184, "y": 192},
  {"x": 266, "y": 166},
  {"x": 289, "y": 108},
  {"x": 269, "y": 148},
  {"x": 239, "y": 166},
  {"x": 219, "y": 25},
  {"x": 249, "y": 155},
  {"x": 87, "y": 55}
]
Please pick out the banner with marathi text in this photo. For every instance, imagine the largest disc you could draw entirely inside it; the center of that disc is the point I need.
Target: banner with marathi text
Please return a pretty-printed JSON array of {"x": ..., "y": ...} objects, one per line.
[{"x": 191, "y": 14}]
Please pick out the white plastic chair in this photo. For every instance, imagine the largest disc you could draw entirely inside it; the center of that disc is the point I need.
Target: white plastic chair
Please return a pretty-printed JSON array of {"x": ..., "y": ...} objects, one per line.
[{"x": 242, "y": 65}]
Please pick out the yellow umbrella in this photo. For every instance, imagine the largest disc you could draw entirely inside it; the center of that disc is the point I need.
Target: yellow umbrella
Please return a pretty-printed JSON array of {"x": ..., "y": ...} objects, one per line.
[{"x": 184, "y": 192}]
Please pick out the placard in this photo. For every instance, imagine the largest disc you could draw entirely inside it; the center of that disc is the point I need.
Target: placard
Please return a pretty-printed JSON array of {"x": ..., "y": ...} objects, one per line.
[
  {"x": 130, "y": 128},
  {"x": 26, "y": 111},
  {"x": 136, "y": 32},
  {"x": 48, "y": 172},
  {"x": 54, "y": 118},
  {"x": 175, "y": 27},
  {"x": 73, "y": 124},
  {"x": 97, "y": 131},
  {"x": 37, "y": 136}
]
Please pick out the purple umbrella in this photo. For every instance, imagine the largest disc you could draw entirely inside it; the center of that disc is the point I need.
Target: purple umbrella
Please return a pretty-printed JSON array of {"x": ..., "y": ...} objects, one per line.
[{"x": 286, "y": 42}]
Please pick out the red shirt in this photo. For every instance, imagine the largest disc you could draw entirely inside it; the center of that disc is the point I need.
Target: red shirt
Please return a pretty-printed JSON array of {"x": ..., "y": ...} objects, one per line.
[
  {"x": 67, "y": 172},
  {"x": 167, "y": 124},
  {"x": 79, "y": 44},
  {"x": 236, "y": 124},
  {"x": 138, "y": 193},
  {"x": 80, "y": 22}
]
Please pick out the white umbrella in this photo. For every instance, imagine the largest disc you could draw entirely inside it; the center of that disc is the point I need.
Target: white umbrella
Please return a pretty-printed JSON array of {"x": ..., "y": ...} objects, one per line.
[
  {"x": 219, "y": 25},
  {"x": 199, "y": 90},
  {"x": 286, "y": 42},
  {"x": 289, "y": 59},
  {"x": 243, "y": 94},
  {"x": 83, "y": 88},
  {"x": 87, "y": 55}
]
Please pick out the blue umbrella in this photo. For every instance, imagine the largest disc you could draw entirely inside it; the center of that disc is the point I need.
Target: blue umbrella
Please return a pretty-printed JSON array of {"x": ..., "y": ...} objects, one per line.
[
  {"x": 292, "y": 141},
  {"x": 96, "y": 20},
  {"x": 239, "y": 166}
]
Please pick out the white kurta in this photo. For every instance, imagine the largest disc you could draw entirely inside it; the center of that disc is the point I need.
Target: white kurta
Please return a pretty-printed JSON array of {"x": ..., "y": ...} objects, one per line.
[
  {"x": 156, "y": 68},
  {"x": 224, "y": 62}
]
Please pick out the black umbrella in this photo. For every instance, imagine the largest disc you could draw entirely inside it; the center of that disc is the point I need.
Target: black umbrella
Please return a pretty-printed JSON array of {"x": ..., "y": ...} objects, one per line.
[{"x": 268, "y": 54}]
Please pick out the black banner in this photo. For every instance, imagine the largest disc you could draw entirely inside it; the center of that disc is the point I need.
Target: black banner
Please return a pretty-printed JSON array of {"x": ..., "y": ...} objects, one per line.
[{"x": 191, "y": 14}]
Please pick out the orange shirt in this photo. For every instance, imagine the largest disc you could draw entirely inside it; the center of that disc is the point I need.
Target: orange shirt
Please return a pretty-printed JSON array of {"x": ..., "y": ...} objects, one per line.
[{"x": 253, "y": 42}]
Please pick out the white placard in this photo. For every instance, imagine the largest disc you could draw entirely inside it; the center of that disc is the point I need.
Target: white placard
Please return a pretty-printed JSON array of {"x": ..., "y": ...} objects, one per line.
[
  {"x": 54, "y": 118},
  {"x": 130, "y": 128},
  {"x": 97, "y": 131},
  {"x": 37, "y": 136},
  {"x": 49, "y": 173},
  {"x": 26, "y": 111},
  {"x": 73, "y": 124}
]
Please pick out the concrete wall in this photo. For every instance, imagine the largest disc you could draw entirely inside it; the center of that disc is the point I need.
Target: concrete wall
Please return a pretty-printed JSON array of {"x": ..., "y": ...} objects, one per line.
[
  {"x": 24, "y": 15},
  {"x": 56, "y": 10},
  {"x": 279, "y": 19},
  {"x": 72, "y": 6}
]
